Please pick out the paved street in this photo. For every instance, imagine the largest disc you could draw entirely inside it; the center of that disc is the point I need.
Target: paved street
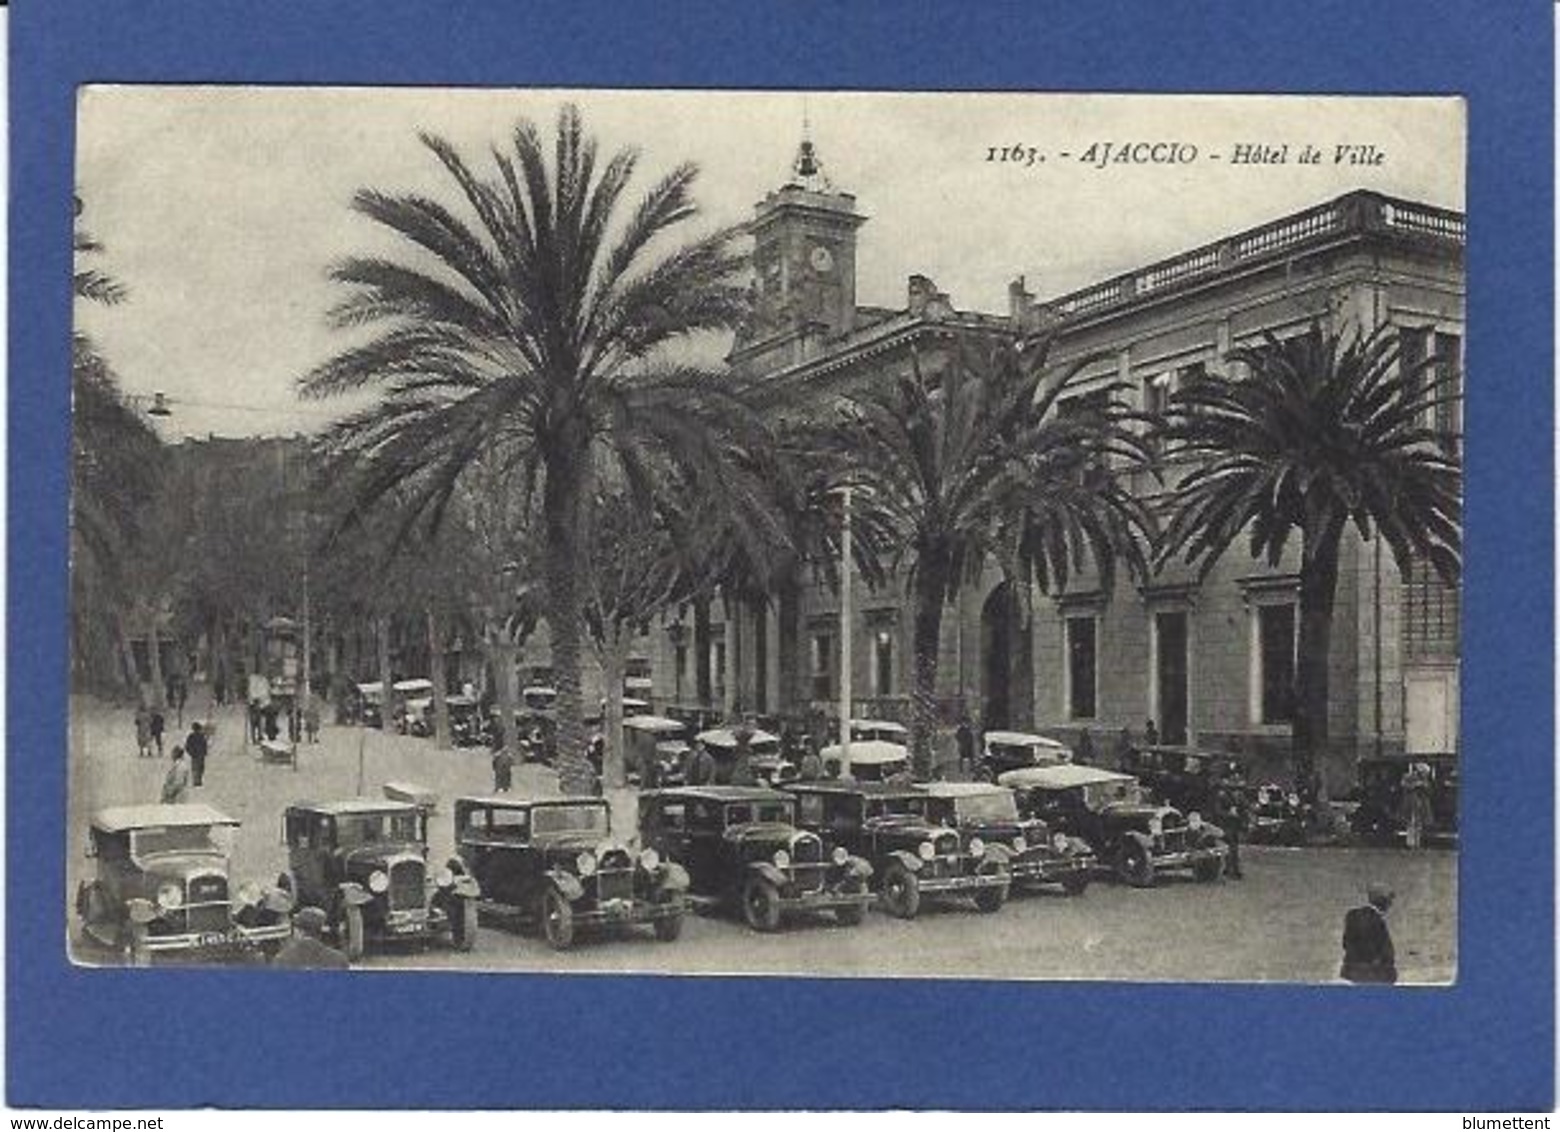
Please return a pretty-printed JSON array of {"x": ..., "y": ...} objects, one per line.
[{"x": 1281, "y": 923}]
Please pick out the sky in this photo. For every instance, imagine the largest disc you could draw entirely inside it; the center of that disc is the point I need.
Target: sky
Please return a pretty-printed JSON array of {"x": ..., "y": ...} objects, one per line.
[{"x": 221, "y": 208}]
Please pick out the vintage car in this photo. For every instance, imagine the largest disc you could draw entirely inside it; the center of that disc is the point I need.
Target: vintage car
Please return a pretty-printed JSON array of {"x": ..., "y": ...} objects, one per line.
[
  {"x": 871, "y": 760},
  {"x": 1037, "y": 854},
  {"x": 365, "y": 864},
  {"x": 539, "y": 697},
  {"x": 913, "y": 856},
  {"x": 693, "y": 717},
  {"x": 1138, "y": 838},
  {"x": 163, "y": 887},
  {"x": 465, "y": 721},
  {"x": 1002, "y": 751},
  {"x": 769, "y": 766},
  {"x": 1278, "y": 815},
  {"x": 554, "y": 863},
  {"x": 1382, "y": 813},
  {"x": 404, "y": 694},
  {"x": 655, "y": 751},
  {"x": 879, "y": 731},
  {"x": 1185, "y": 777},
  {"x": 417, "y": 717},
  {"x": 741, "y": 848},
  {"x": 371, "y": 703}
]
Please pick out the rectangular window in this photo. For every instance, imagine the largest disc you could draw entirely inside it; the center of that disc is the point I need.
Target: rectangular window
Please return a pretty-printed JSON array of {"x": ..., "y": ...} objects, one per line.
[
  {"x": 1156, "y": 393},
  {"x": 718, "y": 668},
  {"x": 1081, "y": 667},
  {"x": 1276, "y": 642},
  {"x": 883, "y": 663},
  {"x": 1448, "y": 369},
  {"x": 822, "y": 667}
]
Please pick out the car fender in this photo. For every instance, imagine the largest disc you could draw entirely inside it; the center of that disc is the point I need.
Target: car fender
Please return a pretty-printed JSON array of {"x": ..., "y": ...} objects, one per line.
[
  {"x": 907, "y": 859},
  {"x": 1078, "y": 847},
  {"x": 769, "y": 872},
  {"x": 998, "y": 854},
  {"x": 566, "y": 883},
  {"x": 466, "y": 886},
  {"x": 356, "y": 895},
  {"x": 858, "y": 868},
  {"x": 140, "y": 911},
  {"x": 1212, "y": 832},
  {"x": 674, "y": 878},
  {"x": 1140, "y": 838}
]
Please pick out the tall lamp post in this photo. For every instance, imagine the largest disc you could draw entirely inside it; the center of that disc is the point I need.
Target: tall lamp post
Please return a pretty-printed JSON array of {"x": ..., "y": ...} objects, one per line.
[{"x": 845, "y": 633}]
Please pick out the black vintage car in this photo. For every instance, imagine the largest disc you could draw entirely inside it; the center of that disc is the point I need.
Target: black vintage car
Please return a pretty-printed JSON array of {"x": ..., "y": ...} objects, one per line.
[
  {"x": 1140, "y": 839},
  {"x": 365, "y": 864},
  {"x": 466, "y": 723},
  {"x": 1382, "y": 813},
  {"x": 913, "y": 856},
  {"x": 553, "y": 863},
  {"x": 1184, "y": 777},
  {"x": 162, "y": 888},
  {"x": 1278, "y": 815},
  {"x": 1037, "y": 854},
  {"x": 741, "y": 847}
]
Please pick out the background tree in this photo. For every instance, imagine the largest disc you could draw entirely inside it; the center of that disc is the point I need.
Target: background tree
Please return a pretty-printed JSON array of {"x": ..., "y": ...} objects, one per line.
[
  {"x": 1325, "y": 430},
  {"x": 985, "y": 456},
  {"x": 528, "y": 327}
]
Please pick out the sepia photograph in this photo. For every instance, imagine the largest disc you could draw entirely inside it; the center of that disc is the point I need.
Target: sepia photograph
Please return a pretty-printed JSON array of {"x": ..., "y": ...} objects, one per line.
[{"x": 831, "y": 534}]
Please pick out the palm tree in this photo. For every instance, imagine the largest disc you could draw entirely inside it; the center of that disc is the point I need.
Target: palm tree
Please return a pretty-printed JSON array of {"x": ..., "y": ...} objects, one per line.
[
  {"x": 1326, "y": 430},
  {"x": 988, "y": 459},
  {"x": 538, "y": 333}
]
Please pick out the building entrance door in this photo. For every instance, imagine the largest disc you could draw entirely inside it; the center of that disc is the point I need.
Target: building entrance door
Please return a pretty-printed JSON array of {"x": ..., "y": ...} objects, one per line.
[
  {"x": 1430, "y": 711},
  {"x": 997, "y": 621},
  {"x": 1170, "y": 664}
]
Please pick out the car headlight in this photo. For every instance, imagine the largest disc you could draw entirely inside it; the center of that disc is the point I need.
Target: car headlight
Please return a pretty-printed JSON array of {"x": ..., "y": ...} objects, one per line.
[
  {"x": 927, "y": 850},
  {"x": 169, "y": 897},
  {"x": 1059, "y": 842},
  {"x": 585, "y": 863},
  {"x": 977, "y": 847},
  {"x": 1194, "y": 820},
  {"x": 1294, "y": 800},
  {"x": 444, "y": 878},
  {"x": 1156, "y": 825},
  {"x": 650, "y": 860},
  {"x": 840, "y": 855},
  {"x": 1019, "y": 844},
  {"x": 782, "y": 859},
  {"x": 249, "y": 894},
  {"x": 378, "y": 881}
]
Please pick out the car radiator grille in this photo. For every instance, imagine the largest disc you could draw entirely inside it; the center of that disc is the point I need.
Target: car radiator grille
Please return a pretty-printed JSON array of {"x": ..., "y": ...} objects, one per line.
[
  {"x": 1174, "y": 840},
  {"x": 615, "y": 885},
  {"x": 406, "y": 885},
  {"x": 807, "y": 877},
  {"x": 207, "y": 918}
]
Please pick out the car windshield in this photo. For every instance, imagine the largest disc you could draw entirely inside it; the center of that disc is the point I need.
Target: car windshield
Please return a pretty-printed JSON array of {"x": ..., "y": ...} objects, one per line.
[
  {"x": 179, "y": 839},
  {"x": 764, "y": 748},
  {"x": 1097, "y": 794},
  {"x": 361, "y": 829},
  {"x": 741, "y": 813},
  {"x": 569, "y": 819},
  {"x": 996, "y": 806},
  {"x": 1017, "y": 752},
  {"x": 902, "y": 804}
]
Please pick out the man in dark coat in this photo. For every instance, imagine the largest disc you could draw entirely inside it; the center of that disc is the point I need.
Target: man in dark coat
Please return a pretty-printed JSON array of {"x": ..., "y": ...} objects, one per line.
[
  {"x": 305, "y": 950},
  {"x": 1232, "y": 815},
  {"x": 195, "y": 748},
  {"x": 1367, "y": 944},
  {"x": 964, "y": 740},
  {"x": 157, "y": 729}
]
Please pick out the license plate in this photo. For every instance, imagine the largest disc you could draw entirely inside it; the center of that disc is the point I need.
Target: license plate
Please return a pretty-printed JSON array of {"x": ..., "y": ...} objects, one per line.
[
  {"x": 406, "y": 929},
  {"x": 215, "y": 939}
]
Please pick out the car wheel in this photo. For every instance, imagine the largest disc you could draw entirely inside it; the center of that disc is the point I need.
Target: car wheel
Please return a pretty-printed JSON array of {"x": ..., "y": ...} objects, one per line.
[
  {"x": 990, "y": 900},
  {"x": 761, "y": 905},
  {"x": 557, "y": 918},
  {"x": 850, "y": 915},
  {"x": 463, "y": 924},
  {"x": 901, "y": 892},
  {"x": 1134, "y": 865},
  {"x": 1209, "y": 871},
  {"x": 1076, "y": 885},
  {"x": 351, "y": 932}
]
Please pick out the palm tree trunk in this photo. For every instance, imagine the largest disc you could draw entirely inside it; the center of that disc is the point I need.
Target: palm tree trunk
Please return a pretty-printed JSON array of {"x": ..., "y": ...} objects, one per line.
[
  {"x": 132, "y": 672},
  {"x": 1318, "y": 588},
  {"x": 789, "y": 618},
  {"x": 154, "y": 659},
  {"x": 441, "y": 711},
  {"x": 702, "y": 684},
  {"x": 931, "y": 586},
  {"x": 382, "y": 643},
  {"x": 501, "y": 658},
  {"x": 614, "y": 662},
  {"x": 561, "y": 496}
]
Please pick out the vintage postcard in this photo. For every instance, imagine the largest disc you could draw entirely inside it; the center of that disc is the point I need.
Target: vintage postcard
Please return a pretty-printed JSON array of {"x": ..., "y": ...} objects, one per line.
[{"x": 931, "y": 535}]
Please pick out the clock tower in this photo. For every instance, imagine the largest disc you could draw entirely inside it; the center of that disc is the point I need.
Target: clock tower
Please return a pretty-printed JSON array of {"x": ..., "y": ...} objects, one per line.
[{"x": 804, "y": 264}]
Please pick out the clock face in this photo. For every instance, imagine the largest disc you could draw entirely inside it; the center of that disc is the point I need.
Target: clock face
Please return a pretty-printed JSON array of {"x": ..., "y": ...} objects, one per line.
[{"x": 822, "y": 259}]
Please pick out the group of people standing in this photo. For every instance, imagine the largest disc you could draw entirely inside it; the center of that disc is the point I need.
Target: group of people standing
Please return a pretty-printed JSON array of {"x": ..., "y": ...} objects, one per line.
[{"x": 189, "y": 766}]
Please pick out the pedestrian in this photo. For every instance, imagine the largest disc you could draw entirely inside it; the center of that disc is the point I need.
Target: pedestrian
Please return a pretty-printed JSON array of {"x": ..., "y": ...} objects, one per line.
[
  {"x": 503, "y": 771},
  {"x": 256, "y": 722},
  {"x": 1416, "y": 804},
  {"x": 701, "y": 767},
  {"x": 195, "y": 747},
  {"x": 1150, "y": 734},
  {"x": 219, "y": 689},
  {"x": 811, "y": 767},
  {"x": 1232, "y": 815},
  {"x": 306, "y": 950},
  {"x": 311, "y": 720},
  {"x": 1367, "y": 943},
  {"x": 1084, "y": 755},
  {"x": 1123, "y": 749},
  {"x": 742, "y": 757},
  {"x": 143, "y": 732},
  {"x": 157, "y": 729},
  {"x": 176, "y": 783},
  {"x": 964, "y": 740},
  {"x": 268, "y": 714}
]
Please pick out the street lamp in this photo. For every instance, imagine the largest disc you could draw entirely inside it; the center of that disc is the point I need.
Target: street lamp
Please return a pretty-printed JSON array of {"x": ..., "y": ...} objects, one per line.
[{"x": 845, "y": 631}]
